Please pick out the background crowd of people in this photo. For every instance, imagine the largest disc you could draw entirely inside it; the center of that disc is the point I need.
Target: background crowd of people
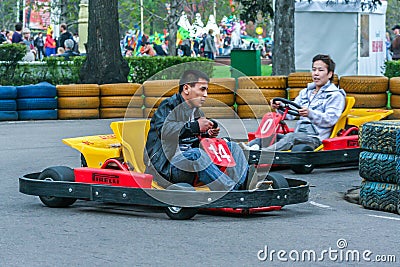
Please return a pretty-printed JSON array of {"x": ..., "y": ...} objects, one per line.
[{"x": 39, "y": 46}]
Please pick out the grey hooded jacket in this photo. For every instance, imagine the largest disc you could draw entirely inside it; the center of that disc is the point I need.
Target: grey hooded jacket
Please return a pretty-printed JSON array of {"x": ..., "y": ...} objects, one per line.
[{"x": 325, "y": 107}]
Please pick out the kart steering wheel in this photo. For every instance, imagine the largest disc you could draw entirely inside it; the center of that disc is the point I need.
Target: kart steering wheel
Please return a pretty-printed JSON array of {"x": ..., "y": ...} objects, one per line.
[{"x": 291, "y": 107}]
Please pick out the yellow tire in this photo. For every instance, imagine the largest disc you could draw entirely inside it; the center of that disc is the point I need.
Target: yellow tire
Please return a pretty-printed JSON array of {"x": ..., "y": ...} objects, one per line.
[
  {"x": 78, "y": 90},
  {"x": 68, "y": 114},
  {"x": 258, "y": 96},
  {"x": 262, "y": 82},
  {"x": 121, "y": 101},
  {"x": 252, "y": 111},
  {"x": 107, "y": 113},
  {"x": 220, "y": 112},
  {"x": 293, "y": 92},
  {"x": 160, "y": 88},
  {"x": 369, "y": 100},
  {"x": 78, "y": 102},
  {"x": 152, "y": 101},
  {"x": 364, "y": 84},
  {"x": 395, "y": 101},
  {"x": 221, "y": 85},
  {"x": 219, "y": 100},
  {"x": 394, "y": 85},
  {"x": 121, "y": 89}
]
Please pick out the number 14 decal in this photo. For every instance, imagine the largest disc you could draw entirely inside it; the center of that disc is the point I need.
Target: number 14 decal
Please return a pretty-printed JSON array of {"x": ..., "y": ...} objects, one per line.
[{"x": 221, "y": 153}]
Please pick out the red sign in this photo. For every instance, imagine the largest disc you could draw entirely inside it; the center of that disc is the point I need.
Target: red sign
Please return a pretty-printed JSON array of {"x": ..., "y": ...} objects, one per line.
[
  {"x": 37, "y": 14},
  {"x": 377, "y": 46}
]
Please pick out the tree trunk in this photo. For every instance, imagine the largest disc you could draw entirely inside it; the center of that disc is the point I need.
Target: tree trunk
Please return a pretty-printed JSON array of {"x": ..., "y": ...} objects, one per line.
[
  {"x": 283, "y": 51},
  {"x": 104, "y": 62},
  {"x": 176, "y": 8}
]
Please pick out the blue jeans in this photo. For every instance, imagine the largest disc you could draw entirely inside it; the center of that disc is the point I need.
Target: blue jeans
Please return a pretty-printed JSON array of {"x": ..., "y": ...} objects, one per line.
[{"x": 185, "y": 165}]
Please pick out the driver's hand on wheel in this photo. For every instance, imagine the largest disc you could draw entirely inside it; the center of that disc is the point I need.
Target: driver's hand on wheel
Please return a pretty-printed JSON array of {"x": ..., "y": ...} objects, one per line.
[
  {"x": 275, "y": 104},
  {"x": 213, "y": 132},
  {"x": 204, "y": 124},
  {"x": 303, "y": 112}
]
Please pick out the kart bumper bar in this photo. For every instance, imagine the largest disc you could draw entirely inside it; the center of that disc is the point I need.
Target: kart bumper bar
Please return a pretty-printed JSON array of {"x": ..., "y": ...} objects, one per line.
[{"x": 297, "y": 192}]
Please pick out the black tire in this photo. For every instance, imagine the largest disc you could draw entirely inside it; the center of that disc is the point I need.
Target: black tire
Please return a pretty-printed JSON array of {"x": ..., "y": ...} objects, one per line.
[
  {"x": 379, "y": 196},
  {"x": 380, "y": 136},
  {"x": 379, "y": 167},
  {"x": 57, "y": 173},
  {"x": 178, "y": 213},
  {"x": 302, "y": 169},
  {"x": 279, "y": 181}
]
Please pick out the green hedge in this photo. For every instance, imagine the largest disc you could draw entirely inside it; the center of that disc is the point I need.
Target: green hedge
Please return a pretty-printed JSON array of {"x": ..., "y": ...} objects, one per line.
[
  {"x": 56, "y": 70},
  {"x": 392, "y": 68}
]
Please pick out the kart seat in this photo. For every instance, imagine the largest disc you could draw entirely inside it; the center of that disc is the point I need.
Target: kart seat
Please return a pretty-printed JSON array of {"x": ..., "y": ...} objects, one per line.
[
  {"x": 132, "y": 135},
  {"x": 342, "y": 121}
]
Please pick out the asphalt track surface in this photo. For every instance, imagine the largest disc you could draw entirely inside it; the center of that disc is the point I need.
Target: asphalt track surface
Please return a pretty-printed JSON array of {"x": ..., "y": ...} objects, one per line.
[{"x": 95, "y": 234}]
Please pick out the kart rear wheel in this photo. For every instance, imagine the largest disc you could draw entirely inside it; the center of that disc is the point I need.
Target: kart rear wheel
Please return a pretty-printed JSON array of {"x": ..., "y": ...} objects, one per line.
[
  {"x": 302, "y": 169},
  {"x": 179, "y": 213},
  {"x": 279, "y": 181},
  {"x": 57, "y": 173}
]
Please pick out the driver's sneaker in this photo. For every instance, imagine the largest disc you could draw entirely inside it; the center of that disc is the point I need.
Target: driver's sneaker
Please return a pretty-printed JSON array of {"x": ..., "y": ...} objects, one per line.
[
  {"x": 262, "y": 185},
  {"x": 244, "y": 146}
]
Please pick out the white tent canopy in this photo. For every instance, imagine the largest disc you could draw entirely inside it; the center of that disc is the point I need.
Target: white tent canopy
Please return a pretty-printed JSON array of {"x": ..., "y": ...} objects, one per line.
[{"x": 354, "y": 38}]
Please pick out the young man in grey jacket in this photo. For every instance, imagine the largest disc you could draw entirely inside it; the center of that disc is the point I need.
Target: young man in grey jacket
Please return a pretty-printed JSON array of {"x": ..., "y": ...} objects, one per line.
[{"x": 322, "y": 104}]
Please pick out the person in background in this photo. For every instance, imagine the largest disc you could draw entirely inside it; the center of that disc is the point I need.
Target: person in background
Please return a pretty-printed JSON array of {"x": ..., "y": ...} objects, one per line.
[
  {"x": 196, "y": 47},
  {"x": 209, "y": 45},
  {"x": 17, "y": 35},
  {"x": 39, "y": 44},
  {"x": 50, "y": 44},
  {"x": 30, "y": 48},
  {"x": 148, "y": 50},
  {"x": 69, "y": 46},
  {"x": 3, "y": 38},
  {"x": 322, "y": 104},
  {"x": 395, "y": 47},
  {"x": 65, "y": 35}
]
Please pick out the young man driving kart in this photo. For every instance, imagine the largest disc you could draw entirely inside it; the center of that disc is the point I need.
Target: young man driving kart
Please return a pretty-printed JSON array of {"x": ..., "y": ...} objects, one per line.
[
  {"x": 172, "y": 149},
  {"x": 321, "y": 104}
]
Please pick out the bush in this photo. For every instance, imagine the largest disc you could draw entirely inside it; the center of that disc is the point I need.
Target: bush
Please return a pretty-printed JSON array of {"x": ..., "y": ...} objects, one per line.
[
  {"x": 56, "y": 70},
  {"x": 143, "y": 68},
  {"x": 392, "y": 68},
  {"x": 12, "y": 52}
]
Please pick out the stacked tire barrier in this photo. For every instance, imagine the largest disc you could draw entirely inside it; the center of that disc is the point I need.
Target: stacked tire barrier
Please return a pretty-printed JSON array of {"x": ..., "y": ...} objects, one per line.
[
  {"x": 37, "y": 102},
  {"x": 255, "y": 92},
  {"x": 380, "y": 165},
  {"x": 220, "y": 98},
  {"x": 155, "y": 92},
  {"x": 299, "y": 80},
  {"x": 121, "y": 100},
  {"x": 394, "y": 89},
  {"x": 369, "y": 91},
  {"x": 78, "y": 101},
  {"x": 8, "y": 103}
]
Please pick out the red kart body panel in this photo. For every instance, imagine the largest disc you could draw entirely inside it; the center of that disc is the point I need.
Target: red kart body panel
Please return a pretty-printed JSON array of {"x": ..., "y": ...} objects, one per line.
[
  {"x": 341, "y": 142},
  {"x": 218, "y": 151},
  {"x": 118, "y": 175}
]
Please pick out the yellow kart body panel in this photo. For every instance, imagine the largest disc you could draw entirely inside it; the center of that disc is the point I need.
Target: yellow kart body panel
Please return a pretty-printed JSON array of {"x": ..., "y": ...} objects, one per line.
[
  {"x": 96, "y": 149},
  {"x": 359, "y": 116}
]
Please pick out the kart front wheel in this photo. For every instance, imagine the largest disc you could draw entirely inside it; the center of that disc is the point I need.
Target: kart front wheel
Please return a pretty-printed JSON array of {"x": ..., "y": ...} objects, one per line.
[
  {"x": 57, "y": 173},
  {"x": 302, "y": 169},
  {"x": 179, "y": 213}
]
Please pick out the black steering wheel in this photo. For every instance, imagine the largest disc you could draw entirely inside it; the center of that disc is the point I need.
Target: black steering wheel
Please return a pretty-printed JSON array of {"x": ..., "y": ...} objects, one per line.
[{"x": 292, "y": 107}]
